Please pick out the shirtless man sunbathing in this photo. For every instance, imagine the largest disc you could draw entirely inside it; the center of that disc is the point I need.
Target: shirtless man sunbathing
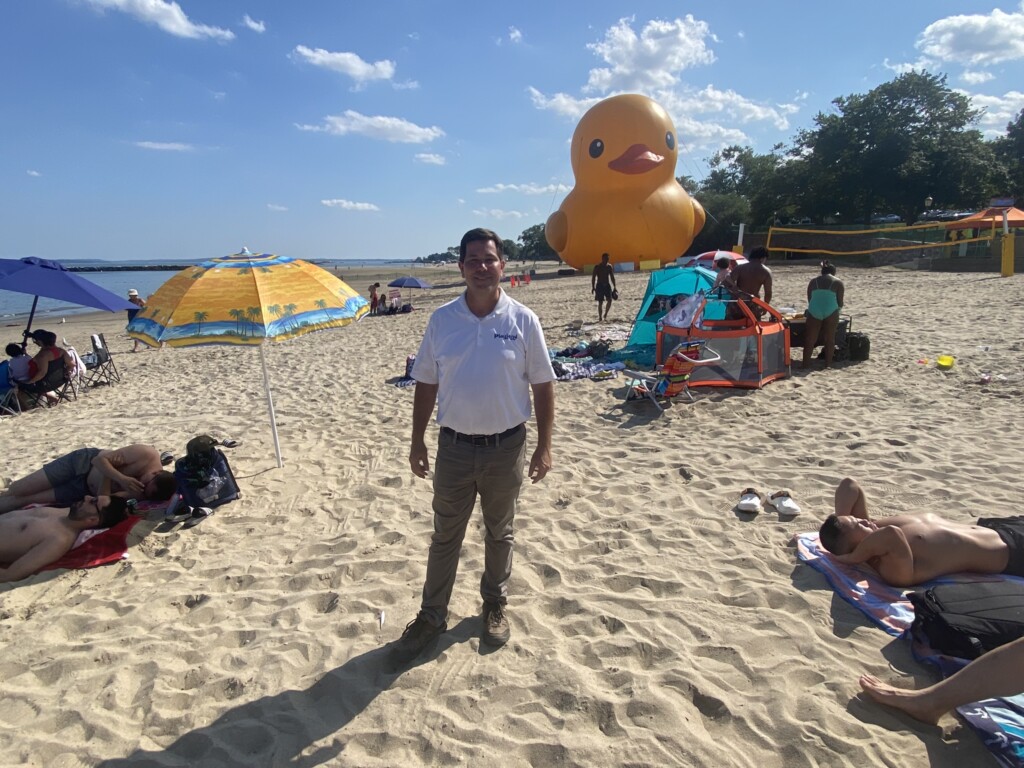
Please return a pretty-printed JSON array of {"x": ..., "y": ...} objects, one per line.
[
  {"x": 31, "y": 539},
  {"x": 910, "y": 549},
  {"x": 133, "y": 472}
]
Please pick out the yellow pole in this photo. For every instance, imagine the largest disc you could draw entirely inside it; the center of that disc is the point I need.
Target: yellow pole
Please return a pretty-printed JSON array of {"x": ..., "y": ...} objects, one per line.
[
  {"x": 1007, "y": 265},
  {"x": 1008, "y": 238}
]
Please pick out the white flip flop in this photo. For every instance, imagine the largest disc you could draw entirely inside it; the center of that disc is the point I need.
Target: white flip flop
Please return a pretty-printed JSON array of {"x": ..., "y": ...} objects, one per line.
[
  {"x": 750, "y": 501},
  {"x": 783, "y": 502}
]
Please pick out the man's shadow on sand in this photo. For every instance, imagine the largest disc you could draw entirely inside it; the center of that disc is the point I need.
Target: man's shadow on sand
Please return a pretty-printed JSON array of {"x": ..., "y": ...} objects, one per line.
[{"x": 276, "y": 730}]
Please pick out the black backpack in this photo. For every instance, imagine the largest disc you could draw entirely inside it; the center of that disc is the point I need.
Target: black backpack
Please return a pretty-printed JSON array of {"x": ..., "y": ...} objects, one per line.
[
  {"x": 859, "y": 345},
  {"x": 204, "y": 476},
  {"x": 967, "y": 620}
]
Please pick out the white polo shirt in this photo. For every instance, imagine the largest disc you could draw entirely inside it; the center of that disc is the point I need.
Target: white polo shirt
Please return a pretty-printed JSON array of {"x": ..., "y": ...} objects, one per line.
[{"x": 483, "y": 366}]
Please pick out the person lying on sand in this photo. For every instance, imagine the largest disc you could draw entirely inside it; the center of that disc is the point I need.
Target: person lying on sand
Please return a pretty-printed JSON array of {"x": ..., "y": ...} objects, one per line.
[
  {"x": 31, "y": 539},
  {"x": 910, "y": 549},
  {"x": 133, "y": 472},
  {"x": 996, "y": 674}
]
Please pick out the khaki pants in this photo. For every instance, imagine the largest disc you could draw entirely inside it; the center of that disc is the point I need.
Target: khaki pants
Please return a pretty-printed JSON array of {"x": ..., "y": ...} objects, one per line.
[{"x": 461, "y": 472}]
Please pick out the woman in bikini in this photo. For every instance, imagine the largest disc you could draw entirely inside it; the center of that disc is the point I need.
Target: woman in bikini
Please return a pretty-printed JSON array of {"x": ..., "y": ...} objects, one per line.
[{"x": 824, "y": 300}]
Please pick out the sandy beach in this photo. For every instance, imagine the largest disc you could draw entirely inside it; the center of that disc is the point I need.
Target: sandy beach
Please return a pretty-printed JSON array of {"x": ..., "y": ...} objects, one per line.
[{"x": 652, "y": 625}]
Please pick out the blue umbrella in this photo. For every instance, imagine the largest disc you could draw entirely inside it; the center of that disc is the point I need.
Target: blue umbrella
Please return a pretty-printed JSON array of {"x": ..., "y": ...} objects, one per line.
[
  {"x": 41, "y": 277},
  {"x": 409, "y": 282}
]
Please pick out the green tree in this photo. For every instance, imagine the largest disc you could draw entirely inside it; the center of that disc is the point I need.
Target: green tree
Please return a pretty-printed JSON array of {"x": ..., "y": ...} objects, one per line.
[
  {"x": 1009, "y": 151},
  {"x": 510, "y": 249},
  {"x": 889, "y": 149},
  {"x": 533, "y": 246}
]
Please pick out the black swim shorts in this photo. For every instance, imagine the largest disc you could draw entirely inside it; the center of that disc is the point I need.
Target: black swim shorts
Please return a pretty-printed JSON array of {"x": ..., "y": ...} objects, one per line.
[
  {"x": 1011, "y": 531},
  {"x": 603, "y": 291},
  {"x": 69, "y": 475}
]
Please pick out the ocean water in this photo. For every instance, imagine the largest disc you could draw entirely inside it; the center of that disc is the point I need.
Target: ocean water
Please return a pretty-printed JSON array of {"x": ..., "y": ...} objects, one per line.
[{"x": 16, "y": 306}]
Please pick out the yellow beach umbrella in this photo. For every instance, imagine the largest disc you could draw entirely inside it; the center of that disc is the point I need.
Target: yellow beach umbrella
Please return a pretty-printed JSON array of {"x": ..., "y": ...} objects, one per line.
[{"x": 247, "y": 299}]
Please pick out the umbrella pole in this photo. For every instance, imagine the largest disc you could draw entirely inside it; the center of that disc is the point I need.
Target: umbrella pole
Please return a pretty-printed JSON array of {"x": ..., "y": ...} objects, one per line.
[
  {"x": 270, "y": 407},
  {"x": 31, "y": 314}
]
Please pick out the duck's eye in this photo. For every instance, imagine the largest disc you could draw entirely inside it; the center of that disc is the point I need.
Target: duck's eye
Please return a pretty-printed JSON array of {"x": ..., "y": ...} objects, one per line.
[
  {"x": 596, "y": 148},
  {"x": 670, "y": 140}
]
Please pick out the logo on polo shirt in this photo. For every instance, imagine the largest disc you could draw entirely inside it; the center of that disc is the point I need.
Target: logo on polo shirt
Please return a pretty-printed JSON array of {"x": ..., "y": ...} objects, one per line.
[{"x": 506, "y": 336}]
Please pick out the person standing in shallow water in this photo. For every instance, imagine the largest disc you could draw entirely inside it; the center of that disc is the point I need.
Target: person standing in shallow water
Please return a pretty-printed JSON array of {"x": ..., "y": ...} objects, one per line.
[
  {"x": 480, "y": 357},
  {"x": 602, "y": 284}
]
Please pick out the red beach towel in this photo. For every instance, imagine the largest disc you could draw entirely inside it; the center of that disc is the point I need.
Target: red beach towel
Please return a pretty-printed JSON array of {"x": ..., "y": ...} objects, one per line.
[{"x": 102, "y": 546}]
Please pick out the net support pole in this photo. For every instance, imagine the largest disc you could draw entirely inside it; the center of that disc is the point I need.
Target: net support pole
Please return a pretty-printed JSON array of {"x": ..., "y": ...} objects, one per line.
[{"x": 1007, "y": 261}]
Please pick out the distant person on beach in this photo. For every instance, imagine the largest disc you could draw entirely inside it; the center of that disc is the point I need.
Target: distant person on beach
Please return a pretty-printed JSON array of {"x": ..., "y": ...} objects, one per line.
[
  {"x": 723, "y": 266},
  {"x": 49, "y": 355},
  {"x": 749, "y": 279},
  {"x": 910, "y": 549},
  {"x": 993, "y": 675},
  {"x": 602, "y": 284},
  {"x": 31, "y": 539},
  {"x": 17, "y": 368},
  {"x": 134, "y": 472},
  {"x": 374, "y": 298},
  {"x": 134, "y": 298},
  {"x": 480, "y": 357},
  {"x": 825, "y": 295}
]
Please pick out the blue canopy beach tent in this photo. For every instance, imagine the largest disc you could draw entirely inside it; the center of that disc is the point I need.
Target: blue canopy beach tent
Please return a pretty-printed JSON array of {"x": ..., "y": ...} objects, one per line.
[{"x": 665, "y": 288}]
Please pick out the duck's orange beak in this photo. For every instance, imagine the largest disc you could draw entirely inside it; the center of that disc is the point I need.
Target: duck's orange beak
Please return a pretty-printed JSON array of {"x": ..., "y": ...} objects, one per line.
[{"x": 637, "y": 159}]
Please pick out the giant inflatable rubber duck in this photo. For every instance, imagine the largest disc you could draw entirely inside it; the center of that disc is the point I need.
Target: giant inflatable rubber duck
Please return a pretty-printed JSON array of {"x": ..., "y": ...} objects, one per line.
[{"x": 626, "y": 202}]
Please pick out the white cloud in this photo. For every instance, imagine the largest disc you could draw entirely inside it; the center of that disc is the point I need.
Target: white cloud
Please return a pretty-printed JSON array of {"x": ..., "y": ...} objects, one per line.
[
  {"x": 393, "y": 129},
  {"x": 652, "y": 59},
  {"x": 976, "y": 78},
  {"x": 407, "y": 85},
  {"x": 165, "y": 146},
  {"x": 651, "y": 63},
  {"x": 275, "y": 207},
  {"x": 168, "y": 16},
  {"x": 526, "y": 189},
  {"x": 497, "y": 213},
  {"x": 975, "y": 40},
  {"x": 562, "y": 103},
  {"x": 999, "y": 110},
  {"x": 256, "y": 26},
  {"x": 347, "y": 63},
  {"x": 348, "y": 205},
  {"x": 36, "y": 174},
  {"x": 923, "y": 64},
  {"x": 430, "y": 158},
  {"x": 218, "y": 95},
  {"x": 515, "y": 35}
]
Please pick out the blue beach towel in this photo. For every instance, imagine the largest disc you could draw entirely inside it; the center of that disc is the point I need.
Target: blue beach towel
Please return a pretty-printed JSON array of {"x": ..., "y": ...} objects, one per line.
[{"x": 999, "y": 723}]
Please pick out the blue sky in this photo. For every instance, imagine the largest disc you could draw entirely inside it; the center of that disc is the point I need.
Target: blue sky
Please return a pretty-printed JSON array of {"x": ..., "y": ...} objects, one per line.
[{"x": 371, "y": 130}]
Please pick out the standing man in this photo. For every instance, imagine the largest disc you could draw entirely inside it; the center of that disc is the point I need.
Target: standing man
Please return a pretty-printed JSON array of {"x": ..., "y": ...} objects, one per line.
[
  {"x": 749, "y": 279},
  {"x": 602, "y": 284},
  {"x": 134, "y": 298},
  {"x": 481, "y": 355}
]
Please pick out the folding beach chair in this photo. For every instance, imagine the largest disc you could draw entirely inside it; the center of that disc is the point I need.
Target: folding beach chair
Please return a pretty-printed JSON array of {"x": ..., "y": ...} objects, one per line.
[
  {"x": 54, "y": 388},
  {"x": 673, "y": 378},
  {"x": 9, "y": 404},
  {"x": 99, "y": 366}
]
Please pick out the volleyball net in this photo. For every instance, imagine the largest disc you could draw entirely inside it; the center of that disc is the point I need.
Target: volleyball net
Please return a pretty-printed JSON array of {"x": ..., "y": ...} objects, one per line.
[{"x": 930, "y": 238}]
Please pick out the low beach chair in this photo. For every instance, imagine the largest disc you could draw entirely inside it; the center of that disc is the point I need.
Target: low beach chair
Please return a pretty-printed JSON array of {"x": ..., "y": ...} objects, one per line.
[
  {"x": 9, "y": 403},
  {"x": 99, "y": 366},
  {"x": 54, "y": 388},
  {"x": 673, "y": 379}
]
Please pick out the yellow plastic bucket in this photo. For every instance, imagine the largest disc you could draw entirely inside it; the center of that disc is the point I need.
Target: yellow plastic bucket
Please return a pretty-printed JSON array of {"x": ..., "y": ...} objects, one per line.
[{"x": 945, "y": 362}]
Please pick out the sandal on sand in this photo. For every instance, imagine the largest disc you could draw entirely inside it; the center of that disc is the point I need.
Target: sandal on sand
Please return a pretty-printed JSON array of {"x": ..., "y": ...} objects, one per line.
[
  {"x": 750, "y": 501},
  {"x": 198, "y": 515},
  {"x": 166, "y": 458},
  {"x": 783, "y": 502}
]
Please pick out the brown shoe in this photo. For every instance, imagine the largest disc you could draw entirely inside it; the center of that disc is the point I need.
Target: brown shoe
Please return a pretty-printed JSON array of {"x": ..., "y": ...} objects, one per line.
[
  {"x": 419, "y": 634},
  {"x": 496, "y": 631}
]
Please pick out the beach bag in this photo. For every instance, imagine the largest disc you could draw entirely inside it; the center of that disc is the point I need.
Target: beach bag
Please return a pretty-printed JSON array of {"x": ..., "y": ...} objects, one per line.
[
  {"x": 967, "y": 620},
  {"x": 204, "y": 476},
  {"x": 859, "y": 345}
]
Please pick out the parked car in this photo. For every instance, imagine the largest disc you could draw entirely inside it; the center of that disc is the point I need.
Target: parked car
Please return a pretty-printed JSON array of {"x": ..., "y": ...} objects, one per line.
[{"x": 888, "y": 218}]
